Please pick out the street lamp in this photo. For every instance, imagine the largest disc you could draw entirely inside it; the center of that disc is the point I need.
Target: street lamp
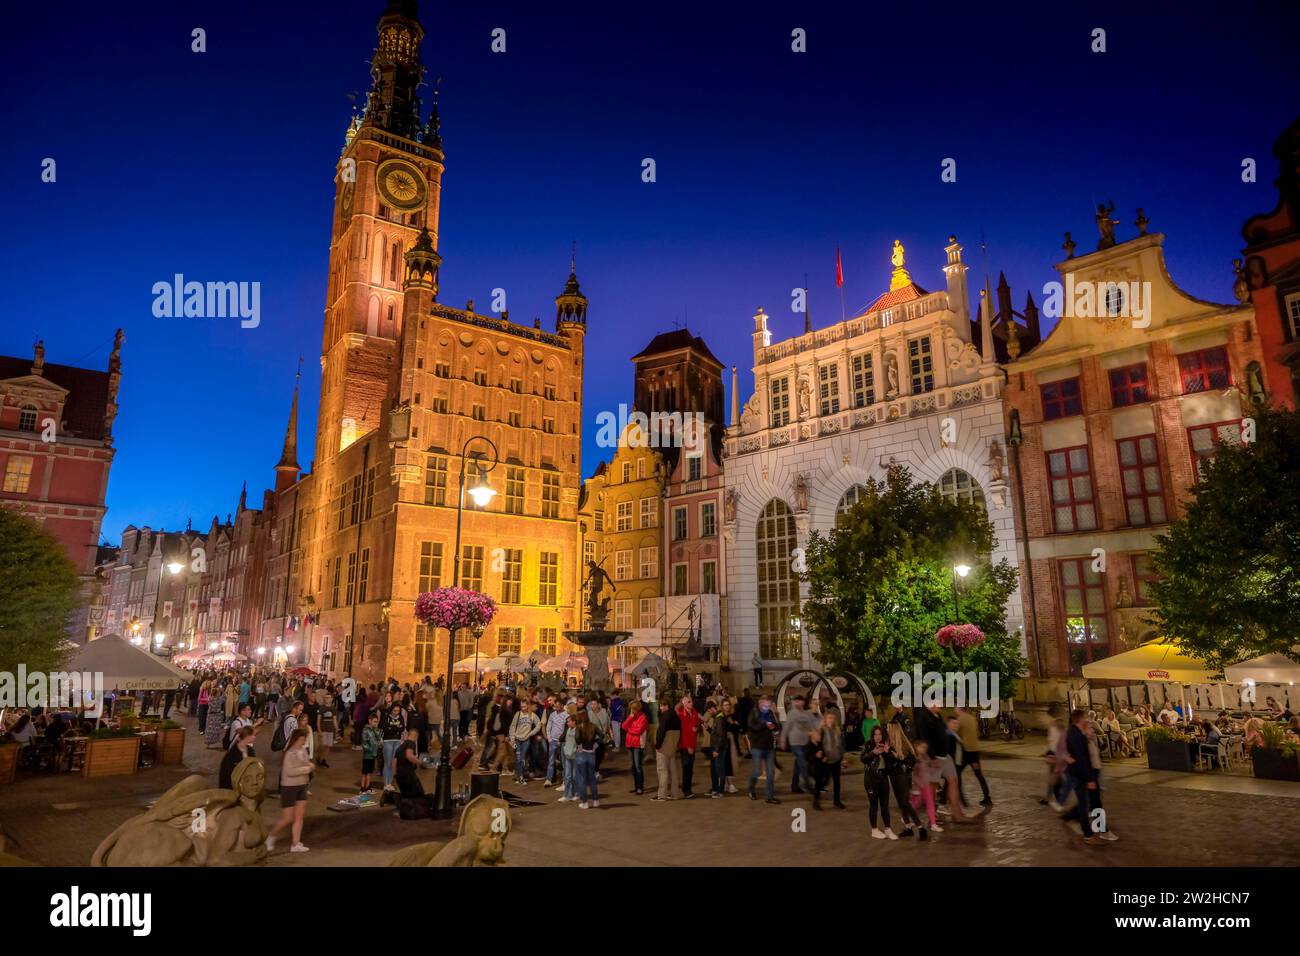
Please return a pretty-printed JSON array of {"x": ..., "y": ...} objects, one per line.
[
  {"x": 958, "y": 571},
  {"x": 481, "y": 492}
]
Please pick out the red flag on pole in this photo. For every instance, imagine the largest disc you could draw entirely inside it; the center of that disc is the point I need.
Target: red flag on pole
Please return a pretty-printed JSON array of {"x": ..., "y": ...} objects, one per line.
[{"x": 839, "y": 270}]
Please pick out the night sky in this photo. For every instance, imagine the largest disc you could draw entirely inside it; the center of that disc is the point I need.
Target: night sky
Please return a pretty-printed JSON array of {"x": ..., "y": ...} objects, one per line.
[{"x": 220, "y": 166}]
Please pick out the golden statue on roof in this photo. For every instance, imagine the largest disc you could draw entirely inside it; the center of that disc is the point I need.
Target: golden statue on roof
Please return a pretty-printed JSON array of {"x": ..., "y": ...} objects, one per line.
[{"x": 900, "y": 278}]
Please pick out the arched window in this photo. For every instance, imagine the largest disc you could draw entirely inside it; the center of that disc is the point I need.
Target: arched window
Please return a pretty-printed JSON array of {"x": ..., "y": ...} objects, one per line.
[
  {"x": 778, "y": 591},
  {"x": 27, "y": 419},
  {"x": 851, "y": 498},
  {"x": 392, "y": 264},
  {"x": 956, "y": 485}
]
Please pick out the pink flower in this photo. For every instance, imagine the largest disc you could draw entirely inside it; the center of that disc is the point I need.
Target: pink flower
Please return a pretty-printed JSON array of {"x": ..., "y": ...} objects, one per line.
[
  {"x": 454, "y": 608},
  {"x": 964, "y": 636}
]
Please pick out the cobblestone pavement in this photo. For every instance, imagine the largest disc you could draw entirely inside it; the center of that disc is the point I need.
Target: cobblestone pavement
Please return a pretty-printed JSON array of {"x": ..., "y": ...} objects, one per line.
[{"x": 59, "y": 820}]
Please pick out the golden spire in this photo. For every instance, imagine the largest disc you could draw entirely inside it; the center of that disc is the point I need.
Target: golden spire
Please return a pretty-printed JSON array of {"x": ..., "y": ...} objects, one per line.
[{"x": 900, "y": 277}]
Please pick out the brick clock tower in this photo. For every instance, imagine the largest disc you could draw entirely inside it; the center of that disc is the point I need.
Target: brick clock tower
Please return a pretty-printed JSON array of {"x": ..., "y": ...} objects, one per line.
[{"x": 387, "y": 189}]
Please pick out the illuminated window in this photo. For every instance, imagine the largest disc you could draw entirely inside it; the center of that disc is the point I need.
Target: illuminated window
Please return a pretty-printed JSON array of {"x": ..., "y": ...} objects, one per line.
[
  {"x": 435, "y": 480},
  {"x": 514, "y": 491},
  {"x": 957, "y": 485},
  {"x": 649, "y": 562},
  {"x": 471, "y": 567},
  {"x": 550, "y": 495},
  {"x": 18, "y": 474},
  {"x": 864, "y": 381},
  {"x": 649, "y": 515},
  {"x": 623, "y": 564},
  {"x": 512, "y": 575},
  {"x": 547, "y": 641},
  {"x": 849, "y": 499},
  {"x": 423, "y": 651},
  {"x": 510, "y": 640},
  {"x": 430, "y": 566},
  {"x": 548, "y": 579},
  {"x": 780, "y": 402},
  {"x": 623, "y": 516},
  {"x": 1203, "y": 370},
  {"x": 1083, "y": 605},
  {"x": 828, "y": 389},
  {"x": 921, "y": 365},
  {"x": 778, "y": 591},
  {"x": 1139, "y": 470}
]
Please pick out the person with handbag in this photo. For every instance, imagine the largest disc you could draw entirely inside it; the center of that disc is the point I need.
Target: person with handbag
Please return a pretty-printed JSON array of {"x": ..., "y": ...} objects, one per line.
[
  {"x": 294, "y": 777},
  {"x": 879, "y": 761},
  {"x": 900, "y": 774},
  {"x": 827, "y": 751},
  {"x": 635, "y": 728}
]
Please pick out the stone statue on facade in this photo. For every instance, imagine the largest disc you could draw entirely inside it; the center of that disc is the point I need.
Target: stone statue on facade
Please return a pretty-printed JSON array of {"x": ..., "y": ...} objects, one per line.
[
  {"x": 801, "y": 492},
  {"x": 805, "y": 398},
  {"x": 1106, "y": 225},
  {"x": 891, "y": 376},
  {"x": 729, "y": 504}
]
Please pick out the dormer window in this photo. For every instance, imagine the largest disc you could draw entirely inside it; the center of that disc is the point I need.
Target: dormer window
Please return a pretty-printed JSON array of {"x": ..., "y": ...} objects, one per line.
[{"x": 27, "y": 418}]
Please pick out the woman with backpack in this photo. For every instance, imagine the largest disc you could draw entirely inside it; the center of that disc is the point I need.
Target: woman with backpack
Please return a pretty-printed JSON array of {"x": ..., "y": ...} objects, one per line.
[{"x": 523, "y": 728}]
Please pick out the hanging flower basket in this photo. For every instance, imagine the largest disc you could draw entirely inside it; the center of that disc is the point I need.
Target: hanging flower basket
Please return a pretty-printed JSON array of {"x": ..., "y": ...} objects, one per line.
[
  {"x": 454, "y": 608},
  {"x": 961, "y": 637}
]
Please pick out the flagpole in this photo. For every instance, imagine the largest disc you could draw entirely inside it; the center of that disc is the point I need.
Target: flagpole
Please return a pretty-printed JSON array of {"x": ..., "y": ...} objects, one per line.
[{"x": 839, "y": 279}]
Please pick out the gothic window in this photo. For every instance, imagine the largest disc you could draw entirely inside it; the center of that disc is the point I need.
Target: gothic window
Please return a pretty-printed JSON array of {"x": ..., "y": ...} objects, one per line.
[
  {"x": 392, "y": 264},
  {"x": 957, "y": 485},
  {"x": 778, "y": 591}
]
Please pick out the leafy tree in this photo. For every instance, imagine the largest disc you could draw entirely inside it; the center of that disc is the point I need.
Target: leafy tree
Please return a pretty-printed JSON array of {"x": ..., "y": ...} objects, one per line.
[
  {"x": 881, "y": 584},
  {"x": 1230, "y": 566},
  {"x": 38, "y": 593}
]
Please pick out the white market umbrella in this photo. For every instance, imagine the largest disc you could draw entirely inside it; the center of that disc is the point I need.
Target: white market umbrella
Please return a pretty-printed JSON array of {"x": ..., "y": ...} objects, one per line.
[
  {"x": 572, "y": 661},
  {"x": 1267, "y": 669},
  {"x": 126, "y": 667}
]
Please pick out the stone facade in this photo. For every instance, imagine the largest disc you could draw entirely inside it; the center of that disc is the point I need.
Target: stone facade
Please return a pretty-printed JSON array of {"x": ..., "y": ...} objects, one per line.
[{"x": 901, "y": 383}]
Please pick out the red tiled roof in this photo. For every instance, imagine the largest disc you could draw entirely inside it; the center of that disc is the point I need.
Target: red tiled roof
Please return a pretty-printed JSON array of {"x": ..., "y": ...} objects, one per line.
[
  {"x": 894, "y": 297},
  {"x": 83, "y": 411}
]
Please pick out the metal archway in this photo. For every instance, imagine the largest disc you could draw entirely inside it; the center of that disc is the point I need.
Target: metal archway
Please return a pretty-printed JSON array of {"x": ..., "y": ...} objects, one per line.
[{"x": 818, "y": 679}]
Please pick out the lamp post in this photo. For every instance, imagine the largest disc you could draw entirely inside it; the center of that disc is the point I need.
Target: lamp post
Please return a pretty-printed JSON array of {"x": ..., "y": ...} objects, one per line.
[
  {"x": 958, "y": 571},
  {"x": 796, "y": 628},
  {"x": 481, "y": 492}
]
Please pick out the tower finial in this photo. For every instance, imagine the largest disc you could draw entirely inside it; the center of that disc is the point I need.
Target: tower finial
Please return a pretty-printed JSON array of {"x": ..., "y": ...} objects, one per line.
[{"x": 286, "y": 472}]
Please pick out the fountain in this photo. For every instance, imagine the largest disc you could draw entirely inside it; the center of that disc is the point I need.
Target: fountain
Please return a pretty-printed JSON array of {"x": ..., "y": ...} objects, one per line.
[{"x": 596, "y": 641}]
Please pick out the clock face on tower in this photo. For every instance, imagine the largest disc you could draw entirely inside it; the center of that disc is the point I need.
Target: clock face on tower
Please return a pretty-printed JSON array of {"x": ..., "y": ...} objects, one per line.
[{"x": 401, "y": 185}]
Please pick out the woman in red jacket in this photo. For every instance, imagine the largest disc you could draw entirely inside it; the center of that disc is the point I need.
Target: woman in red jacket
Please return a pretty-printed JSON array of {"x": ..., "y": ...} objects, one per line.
[{"x": 634, "y": 728}]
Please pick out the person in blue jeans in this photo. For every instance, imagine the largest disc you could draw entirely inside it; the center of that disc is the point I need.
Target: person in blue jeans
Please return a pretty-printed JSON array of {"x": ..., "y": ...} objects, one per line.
[
  {"x": 586, "y": 737},
  {"x": 763, "y": 731},
  {"x": 393, "y": 730},
  {"x": 556, "y": 721}
]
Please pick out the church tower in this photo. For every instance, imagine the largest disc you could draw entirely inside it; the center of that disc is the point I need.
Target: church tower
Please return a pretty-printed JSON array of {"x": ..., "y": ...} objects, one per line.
[{"x": 387, "y": 189}]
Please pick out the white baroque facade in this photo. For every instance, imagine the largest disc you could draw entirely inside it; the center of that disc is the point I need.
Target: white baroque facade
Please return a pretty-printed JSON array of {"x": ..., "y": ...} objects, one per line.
[{"x": 900, "y": 383}]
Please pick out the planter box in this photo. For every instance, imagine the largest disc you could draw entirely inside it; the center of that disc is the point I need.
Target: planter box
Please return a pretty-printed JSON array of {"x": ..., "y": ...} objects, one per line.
[
  {"x": 8, "y": 762},
  {"x": 1274, "y": 765},
  {"x": 1169, "y": 755},
  {"x": 171, "y": 746},
  {"x": 111, "y": 756}
]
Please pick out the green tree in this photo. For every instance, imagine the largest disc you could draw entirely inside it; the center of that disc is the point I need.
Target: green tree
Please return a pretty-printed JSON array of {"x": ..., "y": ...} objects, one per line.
[
  {"x": 881, "y": 584},
  {"x": 38, "y": 593},
  {"x": 1230, "y": 566}
]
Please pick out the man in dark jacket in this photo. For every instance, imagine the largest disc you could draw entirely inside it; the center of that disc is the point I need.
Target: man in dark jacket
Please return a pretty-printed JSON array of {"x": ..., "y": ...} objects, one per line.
[
  {"x": 933, "y": 729},
  {"x": 763, "y": 731},
  {"x": 1081, "y": 774}
]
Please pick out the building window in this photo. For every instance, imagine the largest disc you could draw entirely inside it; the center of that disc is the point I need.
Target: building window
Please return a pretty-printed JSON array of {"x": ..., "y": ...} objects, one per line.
[
  {"x": 1061, "y": 399},
  {"x": 708, "y": 519},
  {"x": 864, "y": 381},
  {"x": 347, "y": 654},
  {"x": 510, "y": 641},
  {"x": 440, "y": 406},
  {"x": 957, "y": 485},
  {"x": 363, "y": 581},
  {"x": 623, "y": 516},
  {"x": 649, "y": 562},
  {"x": 1292, "y": 312},
  {"x": 422, "y": 658},
  {"x": 548, "y": 425},
  {"x": 435, "y": 480},
  {"x": 430, "y": 566},
  {"x": 709, "y": 577},
  {"x": 512, "y": 575},
  {"x": 623, "y": 564},
  {"x": 370, "y": 493},
  {"x": 27, "y": 418},
  {"x": 1071, "y": 479},
  {"x": 598, "y": 519},
  {"x": 1114, "y": 298},
  {"x": 648, "y": 517},
  {"x": 627, "y": 471},
  {"x": 828, "y": 388},
  {"x": 550, "y": 495},
  {"x": 1205, "y": 441},
  {"x": 548, "y": 579},
  {"x": 517, "y": 385},
  {"x": 514, "y": 491},
  {"x": 1139, "y": 470},
  {"x": 547, "y": 641},
  {"x": 780, "y": 402},
  {"x": 334, "y": 589},
  {"x": 464, "y": 645},
  {"x": 778, "y": 591},
  {"x": 623, "y": 614},
  {"x": 679, "y": 579},
  {"x": 480, "y": 377},
  {"x": 513, "y": 419},
  {"x": 471, "y": 567},
  {"x": 679, "y": 524},
  {"x": 694, "y": 468},
  {"x": 1083, "y": 603},
  {"x": 1128, "y": 386},
  {"x": 1204, "y": 370},
  {"x": 646, "y": 613},
  {"x": 352, "y": 578},
  {"x": 849, "y": 499},
  {"x": 640, "y": 468},
  {"x": 1144, "y": 573},
  {"x": 478, "y": 412},
  {"x": 548, "y": 392},
  {"x": 18, "y": 474},
  {"x": 588, "y": 551},
  {"x": 921, "y": 364},
  {"x": 355, "y": 493},
  {"x": 442, "y": 369}
]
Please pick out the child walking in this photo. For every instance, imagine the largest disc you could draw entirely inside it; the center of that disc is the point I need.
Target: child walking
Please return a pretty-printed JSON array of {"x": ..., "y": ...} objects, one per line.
[{"x": 923, "y": 788}]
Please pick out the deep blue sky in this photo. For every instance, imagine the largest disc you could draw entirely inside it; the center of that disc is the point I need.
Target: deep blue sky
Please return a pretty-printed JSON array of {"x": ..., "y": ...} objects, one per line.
[{"x": 220, "y": 166}]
